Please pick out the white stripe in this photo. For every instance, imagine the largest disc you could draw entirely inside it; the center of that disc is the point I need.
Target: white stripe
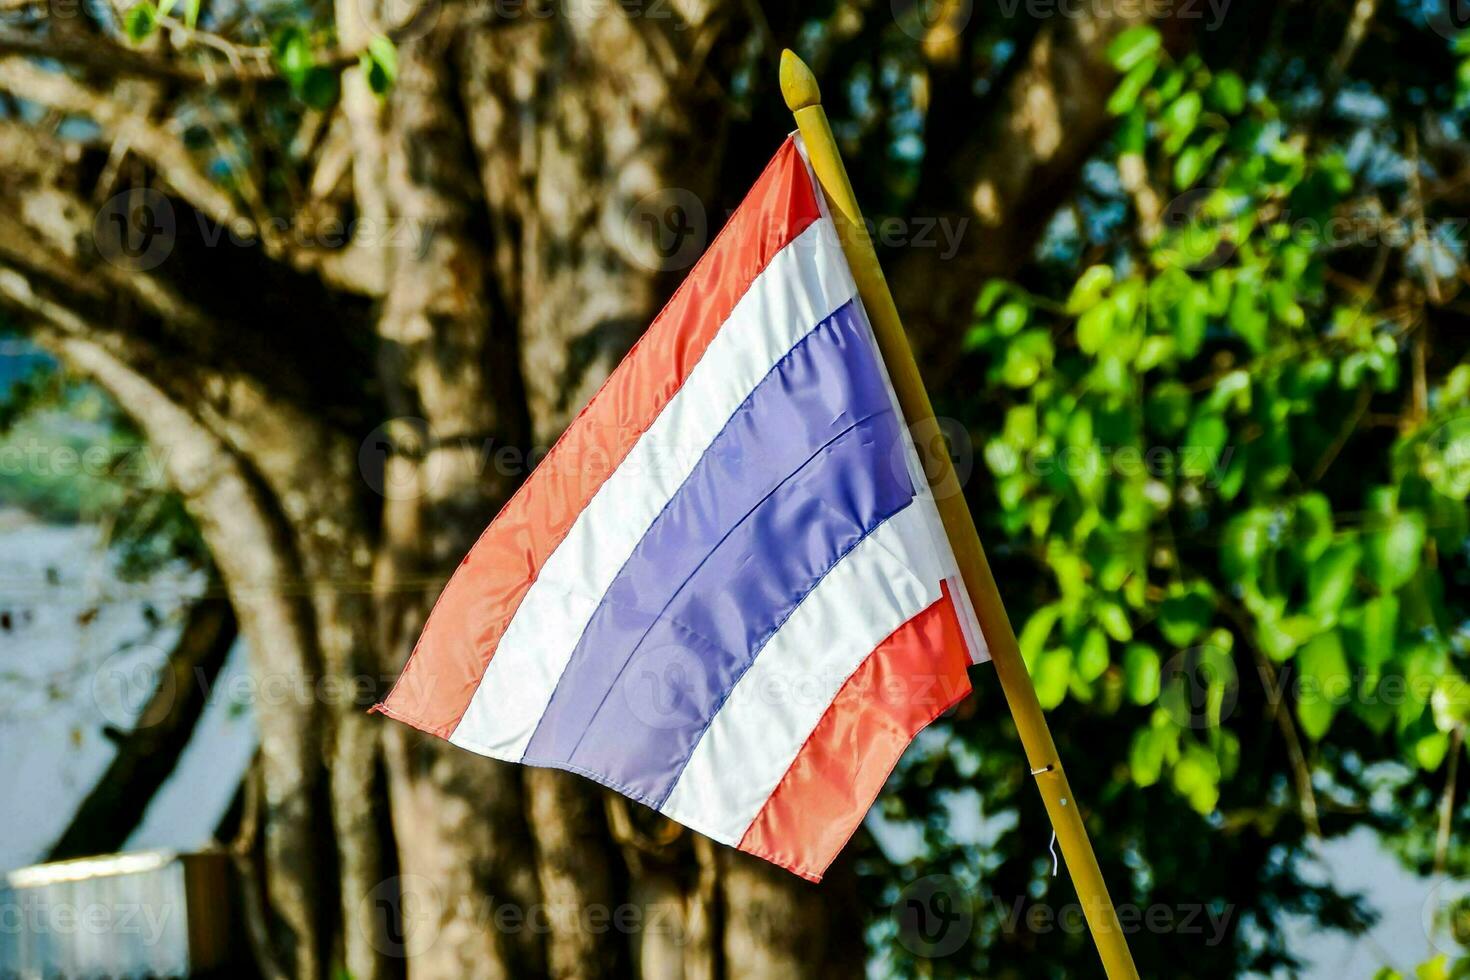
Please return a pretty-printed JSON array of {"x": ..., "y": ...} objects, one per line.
[
  {"x": 885, "y": 581},
  {"x": 805, "y": 282},
  {"x": 975, "y": 644}
]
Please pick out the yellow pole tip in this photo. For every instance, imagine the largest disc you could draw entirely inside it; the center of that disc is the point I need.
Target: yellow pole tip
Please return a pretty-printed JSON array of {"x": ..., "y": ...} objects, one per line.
[{"x": 798, "y": 84}]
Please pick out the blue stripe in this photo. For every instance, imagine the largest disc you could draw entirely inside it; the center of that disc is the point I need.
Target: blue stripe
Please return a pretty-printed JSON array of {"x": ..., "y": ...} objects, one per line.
[{"x": 807, "y": 466}]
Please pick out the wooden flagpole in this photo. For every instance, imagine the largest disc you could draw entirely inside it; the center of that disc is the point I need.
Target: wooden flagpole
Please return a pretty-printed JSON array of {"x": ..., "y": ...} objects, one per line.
[{"x": 799, "y": 86}]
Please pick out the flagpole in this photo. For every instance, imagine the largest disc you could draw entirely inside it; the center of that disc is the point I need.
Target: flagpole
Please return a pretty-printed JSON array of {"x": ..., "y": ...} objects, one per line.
[{"x": 799, "y": 86}]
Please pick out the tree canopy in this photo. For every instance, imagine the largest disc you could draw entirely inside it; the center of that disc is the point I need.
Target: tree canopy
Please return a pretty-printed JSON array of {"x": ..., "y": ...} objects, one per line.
[{"x": 1186, "y": 281}]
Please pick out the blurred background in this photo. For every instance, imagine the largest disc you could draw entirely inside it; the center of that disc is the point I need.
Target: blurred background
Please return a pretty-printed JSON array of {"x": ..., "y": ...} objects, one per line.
[{"x": 293, "y": 294}]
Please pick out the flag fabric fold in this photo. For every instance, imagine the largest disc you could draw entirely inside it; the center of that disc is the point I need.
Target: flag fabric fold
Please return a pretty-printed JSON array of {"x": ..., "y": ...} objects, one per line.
[{"x": 725, "y": 592}]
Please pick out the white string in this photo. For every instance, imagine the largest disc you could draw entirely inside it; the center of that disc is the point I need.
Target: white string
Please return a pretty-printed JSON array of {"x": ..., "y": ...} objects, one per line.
[{"x": 1052, "y": 847}]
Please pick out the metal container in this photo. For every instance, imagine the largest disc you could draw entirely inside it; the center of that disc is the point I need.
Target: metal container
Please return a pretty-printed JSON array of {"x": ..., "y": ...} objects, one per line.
[{"x": 144, "y": 914}]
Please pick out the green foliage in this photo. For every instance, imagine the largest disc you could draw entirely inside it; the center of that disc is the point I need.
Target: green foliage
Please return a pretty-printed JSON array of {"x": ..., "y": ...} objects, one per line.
[
  {"x": 1167, "y": 429},
  {"x": 295, "y": 50},
  {"x": 67, "y": 456},
  {"x": 140, "y": 21},
  {"x": 380, "y": 63}
]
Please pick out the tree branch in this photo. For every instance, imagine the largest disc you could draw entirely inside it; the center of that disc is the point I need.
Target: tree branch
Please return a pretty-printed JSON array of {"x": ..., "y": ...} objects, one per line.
[
  {"x": 58, "y": 91},
  {"x": 146, "y": 756},
  {"x": 107, "y": 57}
]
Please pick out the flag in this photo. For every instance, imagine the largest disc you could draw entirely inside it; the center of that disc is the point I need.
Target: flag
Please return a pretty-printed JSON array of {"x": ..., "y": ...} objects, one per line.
[{"x": 725, "y": 592}]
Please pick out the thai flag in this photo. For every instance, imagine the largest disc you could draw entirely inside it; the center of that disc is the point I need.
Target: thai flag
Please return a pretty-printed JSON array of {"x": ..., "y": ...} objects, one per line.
[{"x": 725, "y": 592}]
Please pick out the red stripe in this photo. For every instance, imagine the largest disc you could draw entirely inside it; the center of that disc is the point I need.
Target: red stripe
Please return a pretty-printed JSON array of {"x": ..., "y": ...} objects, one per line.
[
  {"x": 907, "y": 682},
  {"x": 472, "y": 613}
]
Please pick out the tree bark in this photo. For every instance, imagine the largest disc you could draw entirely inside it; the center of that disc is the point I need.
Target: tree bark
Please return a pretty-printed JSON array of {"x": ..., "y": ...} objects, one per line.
[{"x": 147, "y": 755}]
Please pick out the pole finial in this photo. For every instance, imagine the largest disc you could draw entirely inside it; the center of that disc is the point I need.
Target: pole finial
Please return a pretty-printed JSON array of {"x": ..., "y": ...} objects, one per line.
[{"x": 798, "y": 84}]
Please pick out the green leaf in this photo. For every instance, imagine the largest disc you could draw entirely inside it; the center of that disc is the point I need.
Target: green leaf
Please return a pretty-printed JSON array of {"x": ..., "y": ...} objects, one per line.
[
  {"x": 140, "y": 21},
  {"x": 1114, "y": 619},
  {"x": 1125, "y": 96},
  {"x": 1190, "y": 164},
  {"x": 1392, "y": 553},
  {"x": 1141, "y": 673},
  {"x": 1330, "y": 579},
  {"x": 1196, "y": 777},
  {"x": 1133, "y": 45},
  {"x": 1026, "y": 357},
  {"x": 1203, "y": 444},
  {"x": 1313, "y": 525},
  {"x": 1090, "y": 288},
  {"x": 1189, "y": 319},
  {"x": 1146, "y": 755},
  {"x": 1037, "y": 631},
  {"x": 191, "y": 14},
  {"x": 1180, "y": 119},
  {"x": 1378, "y": 629},
  {"x": 1325, "y": 683},
  {"x": 1132, "y": 133},
  {"x": 1010, "y": 318},
  {"x": 1052, "y": 676},
  {"x": 1092, "y": 655},
  {"x": 1227, "y": 93},
  {"x": 291, "y": 50},
  {"x": 1167, "y": 407},
  {"x": 1430, "y": 750},
  {"x": 380, "y": 64},
  {"x": 1423, "y": 665},
  {"x": 1280, "y": 638},
  {"x": 1155, "y": 351},
  {"x": 1246, "y": 542},
  {"x": 1450, "y": 703},
  {"x": 320, "y": 88},
  {"x": 991, "y": 294},
  {"x": 1445, "y": 457},
  {"x": 1246, "y": 316},
  {"x": 1184, "y": 616},
  {"x": 1094, "y": 327}
]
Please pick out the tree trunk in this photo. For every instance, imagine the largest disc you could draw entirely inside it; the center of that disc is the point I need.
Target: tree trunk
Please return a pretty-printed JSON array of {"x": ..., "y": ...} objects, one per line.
[{"x": 331, "y": 422}]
